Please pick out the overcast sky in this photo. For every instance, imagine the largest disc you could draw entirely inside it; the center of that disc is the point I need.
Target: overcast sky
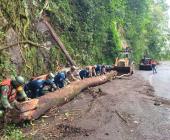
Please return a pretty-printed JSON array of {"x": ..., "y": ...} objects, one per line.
[{"x": 168, "y": 1}]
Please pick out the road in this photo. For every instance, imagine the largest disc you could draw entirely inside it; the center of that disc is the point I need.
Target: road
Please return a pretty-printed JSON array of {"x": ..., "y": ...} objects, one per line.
[
  {"x": 124, "y": 110},
  {"x": 160, "y": 81}
]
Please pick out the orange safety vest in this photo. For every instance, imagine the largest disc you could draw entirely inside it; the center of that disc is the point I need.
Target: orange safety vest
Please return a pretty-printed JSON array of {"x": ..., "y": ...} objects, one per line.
[
  {"x": 153, "y": 62},
  {"x": 11, "y": 95}
]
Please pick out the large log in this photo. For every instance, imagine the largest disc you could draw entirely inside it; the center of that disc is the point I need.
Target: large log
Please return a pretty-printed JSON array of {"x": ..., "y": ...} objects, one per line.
[
  {"x": 59, "y": 42},
  {"x": 40, "y": 77},
  {"x": 34, "y": 108}
]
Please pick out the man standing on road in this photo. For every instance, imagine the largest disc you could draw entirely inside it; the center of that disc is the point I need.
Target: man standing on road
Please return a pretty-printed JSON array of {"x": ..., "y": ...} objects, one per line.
[{"x": 153, "y": 66}]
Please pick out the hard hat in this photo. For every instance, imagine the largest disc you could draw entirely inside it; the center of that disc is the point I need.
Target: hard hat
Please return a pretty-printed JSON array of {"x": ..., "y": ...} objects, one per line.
[
  {"x": 20, "y": 80},
  {"x": 51, "y": 75}
]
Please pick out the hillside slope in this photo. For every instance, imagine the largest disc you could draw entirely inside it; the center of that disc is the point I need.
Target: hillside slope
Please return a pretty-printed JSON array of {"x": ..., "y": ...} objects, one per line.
[{"x": 92, "y": 31}]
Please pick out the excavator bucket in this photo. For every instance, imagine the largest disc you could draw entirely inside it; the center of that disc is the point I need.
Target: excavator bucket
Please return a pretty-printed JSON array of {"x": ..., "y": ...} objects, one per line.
[
  {"x": 122, "y": 70},
  {"x": 145, "y": 67}
]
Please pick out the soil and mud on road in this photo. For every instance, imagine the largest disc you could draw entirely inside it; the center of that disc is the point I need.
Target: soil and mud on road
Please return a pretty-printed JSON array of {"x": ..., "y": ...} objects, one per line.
[{"x": 123, "y": 109}]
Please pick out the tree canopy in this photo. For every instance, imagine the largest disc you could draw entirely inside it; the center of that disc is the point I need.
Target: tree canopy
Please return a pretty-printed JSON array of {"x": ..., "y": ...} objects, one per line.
[{"x": 93, "y": 31}]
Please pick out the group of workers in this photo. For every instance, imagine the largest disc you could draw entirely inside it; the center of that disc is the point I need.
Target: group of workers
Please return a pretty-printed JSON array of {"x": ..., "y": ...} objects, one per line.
[{"x": 16, "y": 89}]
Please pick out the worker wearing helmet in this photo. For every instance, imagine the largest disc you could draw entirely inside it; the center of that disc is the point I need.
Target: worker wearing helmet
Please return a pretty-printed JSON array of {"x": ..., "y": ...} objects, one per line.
[
  {"x": 49, "y": 83},
  {"x": 59, "y": 79},
  {"x": 98, "y": 69},
  {"x": 74, "y": 74},
  {"x": 39, "y": 87},
  {"x": 10, "y": 91},
  {"x": 84, "y": 73},
  {"x": 103, "y": 69}
]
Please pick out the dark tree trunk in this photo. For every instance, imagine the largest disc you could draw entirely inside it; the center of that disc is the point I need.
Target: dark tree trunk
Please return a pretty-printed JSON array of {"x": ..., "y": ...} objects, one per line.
[{"x": 59, "y": 42}]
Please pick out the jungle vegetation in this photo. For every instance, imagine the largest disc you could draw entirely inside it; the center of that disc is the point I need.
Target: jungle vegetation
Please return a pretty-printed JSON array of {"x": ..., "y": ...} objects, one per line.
[{"x": 93, "y": 32}]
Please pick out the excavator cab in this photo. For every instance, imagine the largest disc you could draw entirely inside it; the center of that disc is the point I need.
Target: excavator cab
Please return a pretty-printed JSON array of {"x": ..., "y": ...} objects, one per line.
[{"x": 123, "y": 64}]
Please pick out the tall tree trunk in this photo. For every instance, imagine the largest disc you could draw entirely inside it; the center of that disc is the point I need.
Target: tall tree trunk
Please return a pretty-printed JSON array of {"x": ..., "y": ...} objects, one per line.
[{"x": 59, "y": 42}]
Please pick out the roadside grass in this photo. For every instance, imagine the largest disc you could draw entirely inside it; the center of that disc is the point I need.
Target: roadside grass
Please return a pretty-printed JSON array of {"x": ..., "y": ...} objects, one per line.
[{"x": 11, "y": 132}]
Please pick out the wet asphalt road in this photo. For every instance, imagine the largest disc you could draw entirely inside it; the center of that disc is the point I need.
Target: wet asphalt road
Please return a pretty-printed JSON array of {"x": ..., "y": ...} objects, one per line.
[{"x": 161, "y": 80}]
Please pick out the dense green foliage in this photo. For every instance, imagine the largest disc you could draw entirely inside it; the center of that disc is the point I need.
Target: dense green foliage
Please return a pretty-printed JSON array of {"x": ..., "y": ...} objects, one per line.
[
  {"x": 92, "y": 30},
  {"x": 11, "y": 132}
]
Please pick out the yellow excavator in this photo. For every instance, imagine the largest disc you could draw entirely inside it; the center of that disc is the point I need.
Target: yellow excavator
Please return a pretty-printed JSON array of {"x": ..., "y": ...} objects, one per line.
[{"x": 123, "y": 64}]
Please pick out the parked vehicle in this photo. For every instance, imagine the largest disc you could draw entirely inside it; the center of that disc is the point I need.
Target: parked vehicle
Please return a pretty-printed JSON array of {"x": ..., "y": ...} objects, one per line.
[{"x": 145, "y": 64}]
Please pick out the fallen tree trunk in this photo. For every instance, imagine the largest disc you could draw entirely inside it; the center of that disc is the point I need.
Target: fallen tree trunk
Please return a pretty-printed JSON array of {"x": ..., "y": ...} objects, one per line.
[
  {"x": 34, "y": 108},
  {"x": 40, "y": 77},
  {"x": 59, "y": 42}
]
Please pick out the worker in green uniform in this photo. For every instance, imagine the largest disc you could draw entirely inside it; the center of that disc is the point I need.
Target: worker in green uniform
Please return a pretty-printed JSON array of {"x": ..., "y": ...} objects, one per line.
[{"x": 11, "y": 91}]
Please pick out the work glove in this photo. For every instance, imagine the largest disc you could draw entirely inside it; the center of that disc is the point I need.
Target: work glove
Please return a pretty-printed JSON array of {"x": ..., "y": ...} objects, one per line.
[
  {"x": 15, "y": 104},
  {"x": 27, "y": 99}
]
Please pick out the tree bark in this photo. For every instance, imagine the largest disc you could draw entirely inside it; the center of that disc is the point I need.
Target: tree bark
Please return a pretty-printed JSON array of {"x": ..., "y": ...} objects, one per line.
[
  {"x": 43, "y": 77},
  {"x": 59, "y": 42},
  {"x": 34, "y": 108}
]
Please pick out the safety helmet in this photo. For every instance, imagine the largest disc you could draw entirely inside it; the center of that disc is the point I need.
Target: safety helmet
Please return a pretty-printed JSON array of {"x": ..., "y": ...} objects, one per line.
[
  {"x": 50, "y": 75},
  {"x": 18, "y": 81}
]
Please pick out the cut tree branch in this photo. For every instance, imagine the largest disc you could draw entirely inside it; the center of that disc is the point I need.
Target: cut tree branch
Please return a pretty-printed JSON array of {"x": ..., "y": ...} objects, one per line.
[{"x": 24, "y": 42}]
